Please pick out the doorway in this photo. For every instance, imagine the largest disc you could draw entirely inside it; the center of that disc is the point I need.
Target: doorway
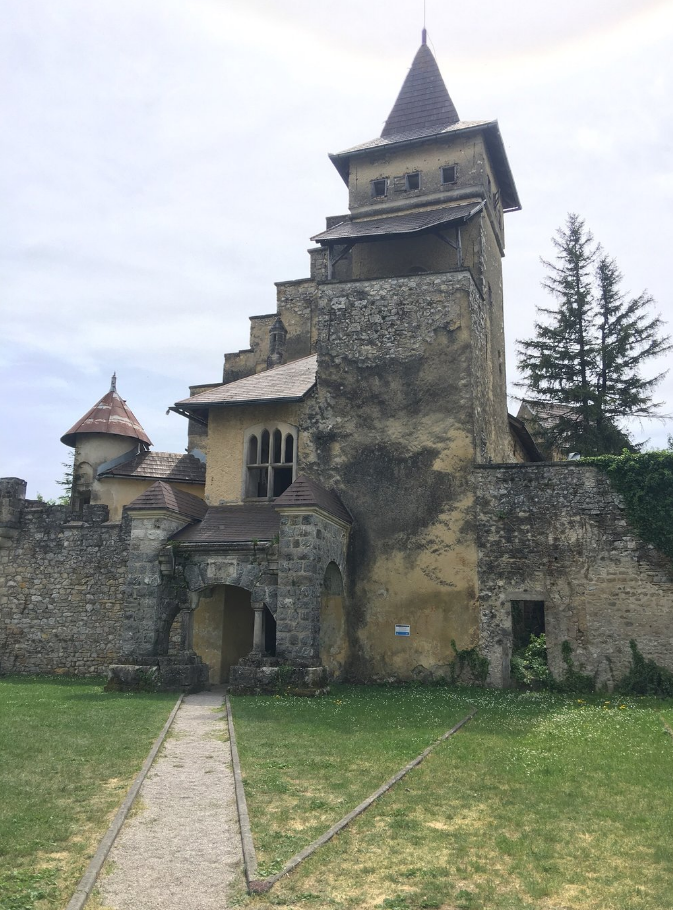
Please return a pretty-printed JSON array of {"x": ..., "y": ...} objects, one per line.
[{"x": 223, "y": 629}]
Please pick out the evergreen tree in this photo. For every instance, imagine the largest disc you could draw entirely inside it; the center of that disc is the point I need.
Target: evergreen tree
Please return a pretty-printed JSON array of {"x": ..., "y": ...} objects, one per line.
[{"x": 582, "y": 368}]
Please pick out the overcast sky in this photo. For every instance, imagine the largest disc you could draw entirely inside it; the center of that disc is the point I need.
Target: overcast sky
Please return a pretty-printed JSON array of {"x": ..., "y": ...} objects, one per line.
[{"x": 163, "y": 162}]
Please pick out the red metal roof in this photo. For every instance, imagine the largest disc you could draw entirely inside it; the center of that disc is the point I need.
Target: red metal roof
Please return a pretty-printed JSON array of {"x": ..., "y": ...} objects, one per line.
[{"x": 109, "y": 415}]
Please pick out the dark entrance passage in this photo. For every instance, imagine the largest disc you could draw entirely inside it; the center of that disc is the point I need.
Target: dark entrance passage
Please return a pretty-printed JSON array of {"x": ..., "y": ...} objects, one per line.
[
  {"x": 527, "y": 620},
  {"x": 223, "y": 627}
]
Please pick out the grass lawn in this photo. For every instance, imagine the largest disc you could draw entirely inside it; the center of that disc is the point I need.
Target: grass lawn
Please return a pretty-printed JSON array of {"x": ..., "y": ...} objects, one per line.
[
  {"x": 68, "y": 752},
  {"x": 541, "y": 801}
]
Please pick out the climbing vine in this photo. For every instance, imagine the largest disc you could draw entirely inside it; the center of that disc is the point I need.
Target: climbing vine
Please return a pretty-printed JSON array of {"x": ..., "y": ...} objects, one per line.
[{"x": 645, "y": 481}]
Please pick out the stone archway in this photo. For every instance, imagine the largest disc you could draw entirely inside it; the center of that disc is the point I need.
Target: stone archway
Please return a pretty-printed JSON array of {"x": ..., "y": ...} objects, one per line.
[
  {"x": 222, "y": 631},
  {"x": 333, "y": 634}
]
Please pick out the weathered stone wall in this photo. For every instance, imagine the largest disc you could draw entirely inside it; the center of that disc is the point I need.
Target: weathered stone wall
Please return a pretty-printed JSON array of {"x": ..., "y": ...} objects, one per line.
[
  {"x": 558, "y": 533},
  {"x": 392, "y": 431},
  {"x": 62, "y": 591},
  {"x": 309, "y": 541}
]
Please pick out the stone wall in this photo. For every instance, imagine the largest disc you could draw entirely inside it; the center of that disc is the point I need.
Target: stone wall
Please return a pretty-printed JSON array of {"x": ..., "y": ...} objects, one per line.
[
  {"x": 62, "y": 591},
  {"x": 392, "y": 426},
  {"x": 309, "y": 541},
  {"x": 557, "y": 533}
]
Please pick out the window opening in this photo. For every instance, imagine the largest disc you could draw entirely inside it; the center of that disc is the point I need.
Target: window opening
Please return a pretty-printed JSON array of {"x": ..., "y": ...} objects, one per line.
[
  {"x": 269, "y": 632},
  {"x": 277, "y": 446},
  {"x": 449, "y": 174},
  {"x": 527, "y": 620},
  {"x": 380, "y": 187},
  {"x": 252, "y": 450},
  {"x": 264, "y": 452},
  {"x": 413, "y": 181},
  {"x": 270, "y": 461}
]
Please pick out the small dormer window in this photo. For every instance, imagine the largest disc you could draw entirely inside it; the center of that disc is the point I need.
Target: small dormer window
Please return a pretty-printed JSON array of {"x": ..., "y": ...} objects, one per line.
[
  {"x": 380, "y": 188},
  {"x": 412, "y": 181},
  {"x": 449, "y": 173}
]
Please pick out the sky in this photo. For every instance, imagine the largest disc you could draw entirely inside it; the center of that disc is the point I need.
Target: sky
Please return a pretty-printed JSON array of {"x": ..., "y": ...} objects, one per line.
[{"x": 163, "y": 162}]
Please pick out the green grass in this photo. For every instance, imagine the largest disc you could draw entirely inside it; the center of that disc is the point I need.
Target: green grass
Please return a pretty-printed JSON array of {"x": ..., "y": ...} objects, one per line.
[
  {"x": 68, "y": 752},
  {"x": 542, "y": 801}
]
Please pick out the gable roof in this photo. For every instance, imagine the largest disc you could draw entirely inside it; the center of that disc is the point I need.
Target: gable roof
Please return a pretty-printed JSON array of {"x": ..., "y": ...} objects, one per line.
[
  {"x": 287, "y": 382},
  {"x": 423, "y": 102},
  {"x": 169, "y": 466},
  {"x": 306, "y": 492},
  {"x": 163, "y": 497},
  {"x": 109, "y": 415},
  {"x": 233, "y": 524}
]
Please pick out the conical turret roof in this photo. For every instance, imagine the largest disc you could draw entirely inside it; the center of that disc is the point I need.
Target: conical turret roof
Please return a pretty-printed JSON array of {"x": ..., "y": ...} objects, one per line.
[
  {"x": 109, "y": 415},
  {"x": 423, "y": 102}
]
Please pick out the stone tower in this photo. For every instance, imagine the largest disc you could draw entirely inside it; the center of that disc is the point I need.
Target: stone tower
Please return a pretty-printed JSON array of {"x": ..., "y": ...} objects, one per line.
[{"x": 411, "y": 373}]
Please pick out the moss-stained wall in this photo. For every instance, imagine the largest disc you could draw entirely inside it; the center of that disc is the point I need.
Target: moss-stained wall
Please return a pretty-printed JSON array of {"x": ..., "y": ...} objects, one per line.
[
  {"x": 557, "y": 533},
  {"x": 394, "y": 434}
]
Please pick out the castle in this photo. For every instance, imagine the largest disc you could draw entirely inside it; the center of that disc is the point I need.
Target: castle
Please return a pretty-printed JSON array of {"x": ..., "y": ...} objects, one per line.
[{"x": 355, "y": 500}]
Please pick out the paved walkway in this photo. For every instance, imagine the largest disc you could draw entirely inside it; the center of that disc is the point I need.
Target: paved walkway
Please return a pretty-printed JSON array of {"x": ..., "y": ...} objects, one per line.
[{"x": 181, "y": 847}]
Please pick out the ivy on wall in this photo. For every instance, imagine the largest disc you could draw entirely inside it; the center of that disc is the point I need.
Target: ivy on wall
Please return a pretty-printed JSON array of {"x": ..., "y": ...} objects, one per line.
[{"x": 645, "y": 481}]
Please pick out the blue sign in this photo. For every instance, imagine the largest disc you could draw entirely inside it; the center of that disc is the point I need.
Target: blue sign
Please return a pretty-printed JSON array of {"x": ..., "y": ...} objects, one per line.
[{"x": 402, "y": 629}]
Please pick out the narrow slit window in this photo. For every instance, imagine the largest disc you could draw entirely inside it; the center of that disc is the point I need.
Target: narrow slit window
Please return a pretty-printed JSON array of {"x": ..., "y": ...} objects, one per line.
[
  {"x": 252, "y": 450},
  {"x": 264, "y": 453},
  {"x": 289, "y": 449},
  {"x": 277, "y": 446}
]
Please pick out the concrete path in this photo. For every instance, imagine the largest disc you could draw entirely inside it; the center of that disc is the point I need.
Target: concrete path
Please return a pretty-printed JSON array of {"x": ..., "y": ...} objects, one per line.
[{"x": 181, "y": 847}]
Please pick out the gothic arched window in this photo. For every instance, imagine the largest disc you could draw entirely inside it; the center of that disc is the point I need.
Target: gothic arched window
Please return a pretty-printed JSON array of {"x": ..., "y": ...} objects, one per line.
[{"x": 270, "y": 460}]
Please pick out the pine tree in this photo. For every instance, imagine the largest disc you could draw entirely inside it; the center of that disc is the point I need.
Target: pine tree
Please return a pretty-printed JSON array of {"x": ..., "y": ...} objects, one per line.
[{"x": 582, "y": 368}]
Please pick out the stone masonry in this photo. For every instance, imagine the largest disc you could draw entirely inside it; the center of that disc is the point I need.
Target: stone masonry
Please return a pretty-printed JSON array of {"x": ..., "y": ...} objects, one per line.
[
  {"x": 61, "y": 589},
  {"x": 557, "y": 533}
]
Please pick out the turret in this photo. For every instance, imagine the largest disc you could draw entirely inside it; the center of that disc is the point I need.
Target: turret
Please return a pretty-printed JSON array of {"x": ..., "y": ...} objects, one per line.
[{"x": 109, "y": 433}]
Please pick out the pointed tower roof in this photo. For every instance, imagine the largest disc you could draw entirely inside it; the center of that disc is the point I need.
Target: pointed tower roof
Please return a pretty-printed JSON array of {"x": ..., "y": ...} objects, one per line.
[
  {"x": 423, "y": 103},
  {"x": 109, "y": 415}
]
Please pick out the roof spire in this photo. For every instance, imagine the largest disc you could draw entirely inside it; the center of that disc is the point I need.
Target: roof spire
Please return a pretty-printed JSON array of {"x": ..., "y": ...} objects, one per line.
[
  {"x": 113, "y": 382},
  {"x": 424, "y": 36},
  {"x": 423, "y": 104}
]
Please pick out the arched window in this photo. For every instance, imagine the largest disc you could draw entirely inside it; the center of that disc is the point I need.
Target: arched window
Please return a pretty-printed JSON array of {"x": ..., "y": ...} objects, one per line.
[{"x": 270, "y": 460}]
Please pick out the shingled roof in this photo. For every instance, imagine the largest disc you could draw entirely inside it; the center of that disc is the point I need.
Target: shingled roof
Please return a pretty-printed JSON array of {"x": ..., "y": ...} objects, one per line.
[
  {"x": 287, "y": 382},
  {"x": 423, "y": 102},
  {"x": 109, "y": 415},
  {"x": 163, "y": 497},
  {"x": 424, "y": 110},
  {"x": 233, "y": 524},
  {"x": 306, "y": 492},
  {"x": 169, "y": 466},
  {"x": 411, "y": 223}
]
